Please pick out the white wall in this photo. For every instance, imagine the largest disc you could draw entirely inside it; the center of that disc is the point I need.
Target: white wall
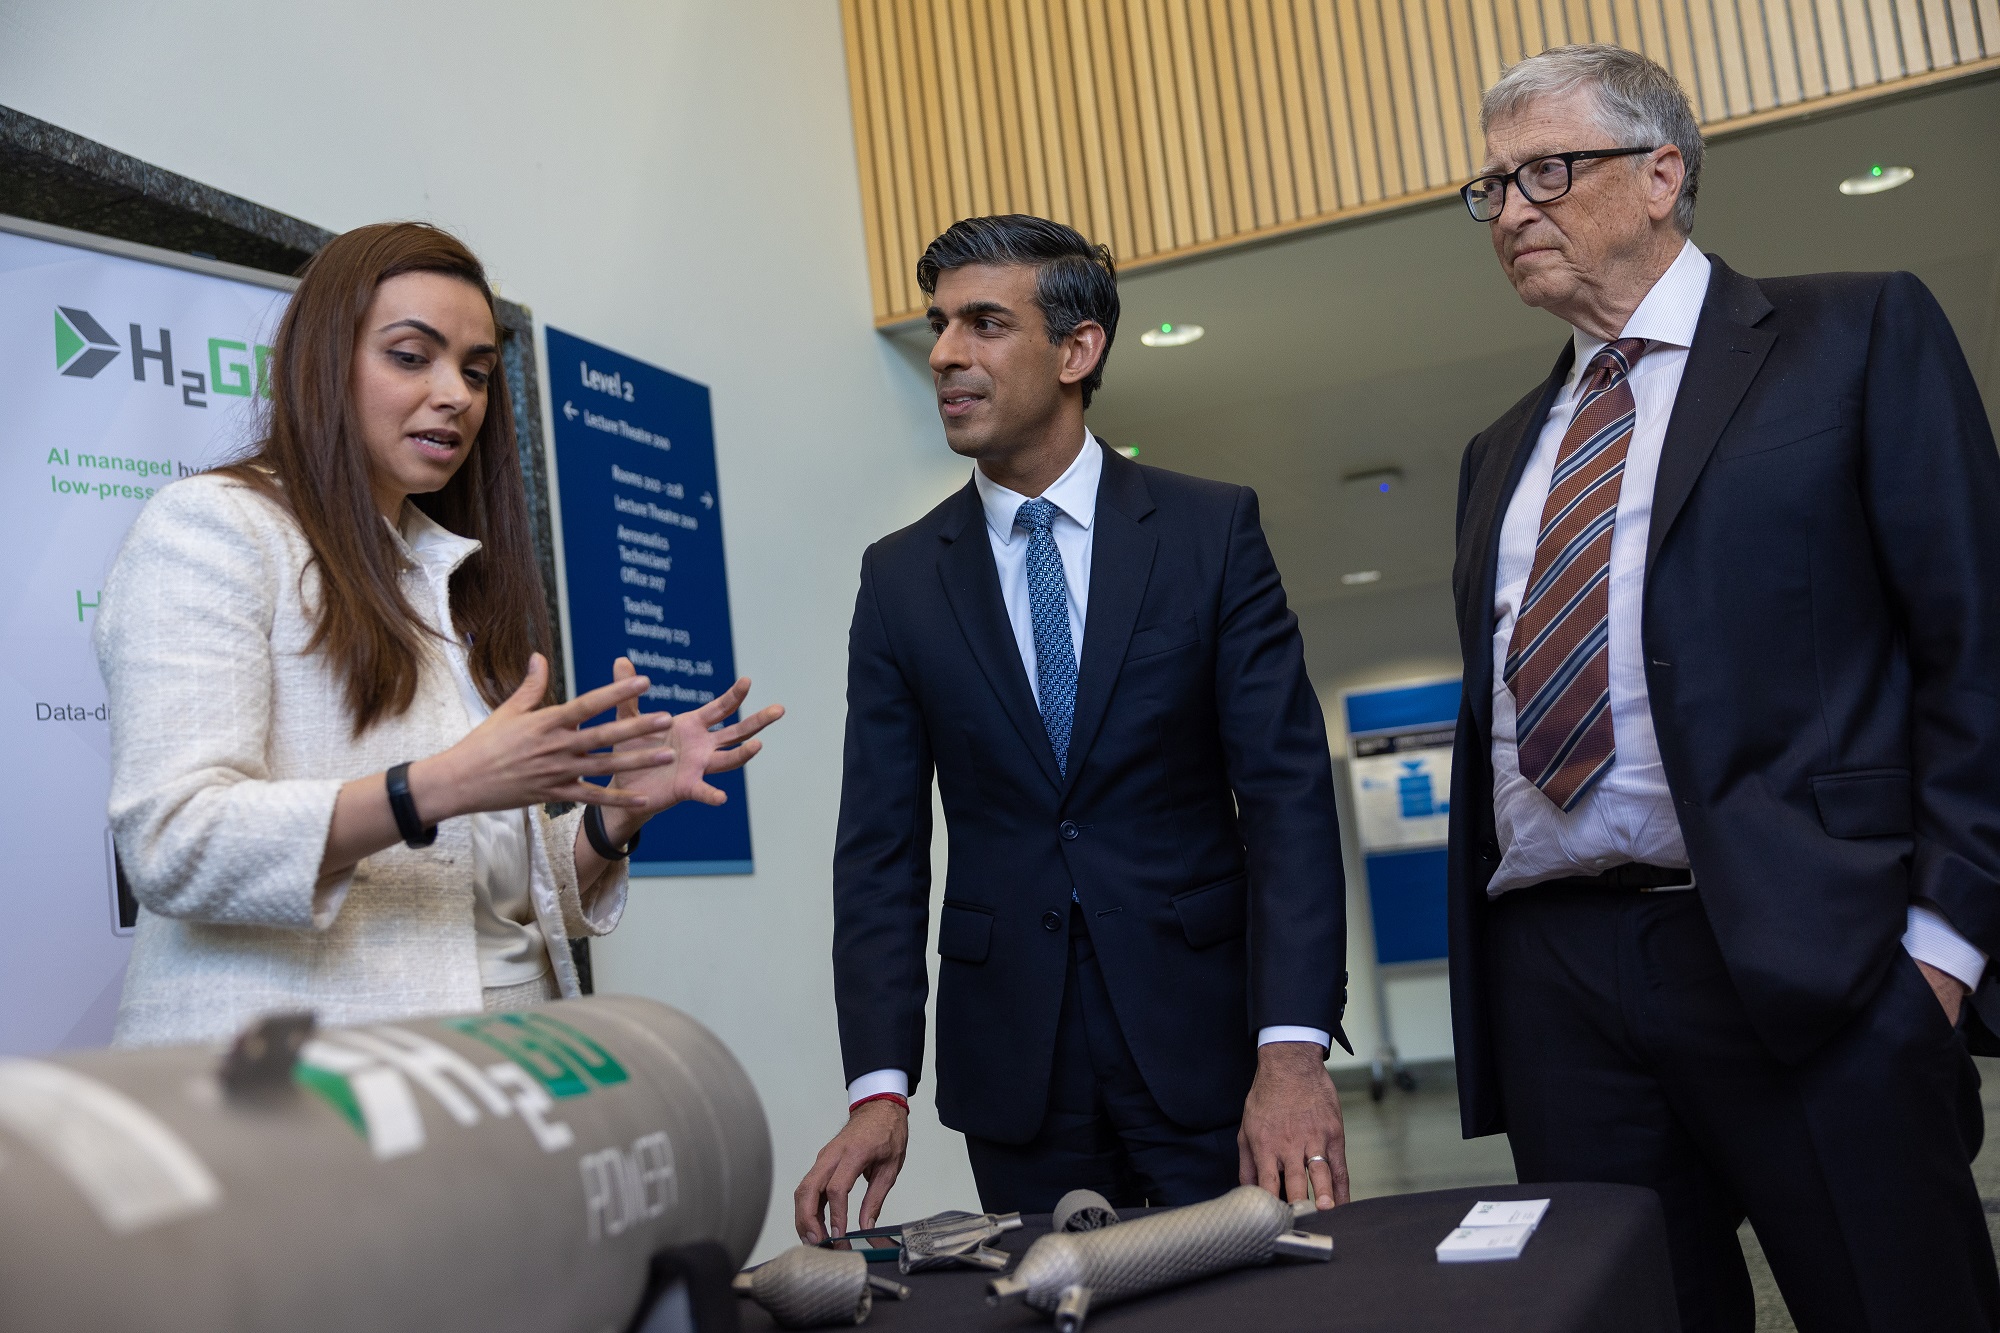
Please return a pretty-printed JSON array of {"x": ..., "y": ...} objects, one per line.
[{"x": 677, "y": 180}]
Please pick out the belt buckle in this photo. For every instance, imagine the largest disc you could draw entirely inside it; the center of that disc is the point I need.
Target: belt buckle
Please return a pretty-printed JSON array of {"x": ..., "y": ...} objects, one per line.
[{"x": 1671, "y": 888}]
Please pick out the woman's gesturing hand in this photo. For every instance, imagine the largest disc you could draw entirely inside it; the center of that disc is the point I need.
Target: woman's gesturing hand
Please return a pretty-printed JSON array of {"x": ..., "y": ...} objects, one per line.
[
  {"x": 526, "y": 754},
  {"x": 699, "y": 745}
]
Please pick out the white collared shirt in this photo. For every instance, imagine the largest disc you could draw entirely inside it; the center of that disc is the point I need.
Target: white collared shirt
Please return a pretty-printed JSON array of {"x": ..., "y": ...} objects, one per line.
[
  {"x": 1628, "y": 816},
  {"x": 1074, "y": 494},
  {"x": 511, "y": 948}
]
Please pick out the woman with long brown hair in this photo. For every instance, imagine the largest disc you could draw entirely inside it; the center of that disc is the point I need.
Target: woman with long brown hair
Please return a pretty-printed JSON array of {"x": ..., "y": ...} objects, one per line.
[{"x": 332, "y": 729}]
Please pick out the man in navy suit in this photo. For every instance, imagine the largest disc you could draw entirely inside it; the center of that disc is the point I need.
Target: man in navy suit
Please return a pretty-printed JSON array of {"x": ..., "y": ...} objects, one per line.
[
  {"x": 1725, "y": 860},
  {"x": 1143, "y": 934}
]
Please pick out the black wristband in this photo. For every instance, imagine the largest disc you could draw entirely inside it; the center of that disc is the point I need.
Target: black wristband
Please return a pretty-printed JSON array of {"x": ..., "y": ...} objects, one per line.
[
  {"x": 404, "y": 808},
  {"x": 600, "y": 839}
]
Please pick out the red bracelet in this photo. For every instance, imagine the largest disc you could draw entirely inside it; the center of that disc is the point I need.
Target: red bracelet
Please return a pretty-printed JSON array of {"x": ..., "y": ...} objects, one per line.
[{"x": 895, "y": 1097}]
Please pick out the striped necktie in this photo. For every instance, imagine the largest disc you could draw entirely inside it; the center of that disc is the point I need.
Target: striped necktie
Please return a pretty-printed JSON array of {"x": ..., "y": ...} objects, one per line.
[{"x": 1559, "y": 660}]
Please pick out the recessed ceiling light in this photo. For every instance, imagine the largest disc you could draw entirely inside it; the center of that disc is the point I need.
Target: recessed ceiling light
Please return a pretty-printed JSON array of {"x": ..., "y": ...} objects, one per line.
[
  {"x": 1171, "y": 335},
  {"x": 1877, "y": 179},
  {"x": 1361, "y": 576}
]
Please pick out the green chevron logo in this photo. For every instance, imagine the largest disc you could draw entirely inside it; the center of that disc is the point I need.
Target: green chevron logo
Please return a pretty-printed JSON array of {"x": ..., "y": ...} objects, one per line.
[{"x": 82, "y": 346}]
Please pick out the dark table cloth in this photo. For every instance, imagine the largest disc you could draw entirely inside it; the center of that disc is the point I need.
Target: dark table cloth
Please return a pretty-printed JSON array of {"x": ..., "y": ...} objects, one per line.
[{"x": 1597, "y": 1262}]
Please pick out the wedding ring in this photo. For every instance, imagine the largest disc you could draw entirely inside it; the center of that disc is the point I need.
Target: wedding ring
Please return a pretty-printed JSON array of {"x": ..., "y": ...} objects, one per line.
[{"x": 1316, "y": 1157}]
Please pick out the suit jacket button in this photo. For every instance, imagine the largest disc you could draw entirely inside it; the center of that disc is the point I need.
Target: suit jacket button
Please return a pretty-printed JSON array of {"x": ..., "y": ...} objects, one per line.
[
  {"x": 1068, "y": 829},
  {"x": 1051, "y": 921}
]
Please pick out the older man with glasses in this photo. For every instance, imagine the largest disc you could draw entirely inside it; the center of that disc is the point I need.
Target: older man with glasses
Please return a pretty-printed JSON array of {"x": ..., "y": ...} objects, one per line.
[{"x": 1726, "y": 810}]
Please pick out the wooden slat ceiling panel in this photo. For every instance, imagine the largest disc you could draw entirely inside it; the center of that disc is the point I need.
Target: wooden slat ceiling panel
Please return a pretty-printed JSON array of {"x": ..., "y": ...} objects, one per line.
[{"x": 1169, "y": 127}]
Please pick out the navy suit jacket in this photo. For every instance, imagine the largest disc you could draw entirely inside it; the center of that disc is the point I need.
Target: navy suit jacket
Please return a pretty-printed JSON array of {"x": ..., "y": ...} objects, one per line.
[
  {"x": 1196, "y": 822},
  {"x": 1821, "y": 633}
]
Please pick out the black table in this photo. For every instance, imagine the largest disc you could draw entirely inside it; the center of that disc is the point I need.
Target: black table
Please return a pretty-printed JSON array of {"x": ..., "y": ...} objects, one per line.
[{"x": 1597, "y": 1262}]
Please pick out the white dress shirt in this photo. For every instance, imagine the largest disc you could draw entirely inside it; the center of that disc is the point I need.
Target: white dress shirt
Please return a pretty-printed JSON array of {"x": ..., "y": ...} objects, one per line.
[
  {"x": 1628, "y": 816},
  {"x": 512, "y": 951},
  {"x": 1074, "y": 494}
]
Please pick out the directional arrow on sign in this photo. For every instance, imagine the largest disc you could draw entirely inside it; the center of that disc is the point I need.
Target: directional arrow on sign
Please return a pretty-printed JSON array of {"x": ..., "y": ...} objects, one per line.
[
  {"x": 569, "y": 410},
  {"x": 707, "y": 500},
  {"x": 82, "y": 346}
]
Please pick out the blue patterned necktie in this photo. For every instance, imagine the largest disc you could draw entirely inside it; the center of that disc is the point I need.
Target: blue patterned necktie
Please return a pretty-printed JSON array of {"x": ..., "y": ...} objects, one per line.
[{"x": 1055, "y": 655}]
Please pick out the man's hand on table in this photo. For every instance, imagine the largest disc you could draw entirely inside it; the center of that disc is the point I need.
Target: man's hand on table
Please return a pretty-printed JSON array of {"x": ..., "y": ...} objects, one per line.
[
  {"x": 871, "y": 1145},
  {"x": 1292, "y": 1115}
]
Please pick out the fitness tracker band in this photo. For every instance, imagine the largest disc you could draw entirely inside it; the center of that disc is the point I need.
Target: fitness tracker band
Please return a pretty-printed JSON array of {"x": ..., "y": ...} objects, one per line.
[
  {"x": 415, "y": 834},
  {"x": 600, "y": 839}
]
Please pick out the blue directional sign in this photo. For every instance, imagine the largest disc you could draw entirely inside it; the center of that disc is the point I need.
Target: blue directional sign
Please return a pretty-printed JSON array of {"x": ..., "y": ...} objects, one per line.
[{"x": 642, "y": 548}]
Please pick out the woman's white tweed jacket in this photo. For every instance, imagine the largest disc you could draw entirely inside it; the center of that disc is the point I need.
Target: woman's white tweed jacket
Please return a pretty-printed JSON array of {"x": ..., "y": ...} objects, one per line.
[{"x": 229, "y": 743}]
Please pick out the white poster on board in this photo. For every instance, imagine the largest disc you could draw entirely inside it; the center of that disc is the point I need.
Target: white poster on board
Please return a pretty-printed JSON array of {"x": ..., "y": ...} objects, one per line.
[
  {"x": 116, "y": 376},
  {"x": 1402, "y": 790}
]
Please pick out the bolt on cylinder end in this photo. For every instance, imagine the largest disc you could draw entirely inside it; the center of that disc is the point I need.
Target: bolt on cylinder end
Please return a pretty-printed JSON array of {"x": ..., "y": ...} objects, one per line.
[
  {"x": 1072, "y": 1310},
  {"x": 1009, "y": 1288}
]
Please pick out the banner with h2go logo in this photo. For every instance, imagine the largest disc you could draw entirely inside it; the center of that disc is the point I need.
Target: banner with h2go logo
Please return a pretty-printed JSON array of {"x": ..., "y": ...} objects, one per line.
[{"x": 118, "y": 373}]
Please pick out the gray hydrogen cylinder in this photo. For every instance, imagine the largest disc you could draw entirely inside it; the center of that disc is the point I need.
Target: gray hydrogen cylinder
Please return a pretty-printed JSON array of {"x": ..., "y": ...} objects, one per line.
[
  {"x": 499, "y": 1171},
  {"x": 1068, "y": 1274}
]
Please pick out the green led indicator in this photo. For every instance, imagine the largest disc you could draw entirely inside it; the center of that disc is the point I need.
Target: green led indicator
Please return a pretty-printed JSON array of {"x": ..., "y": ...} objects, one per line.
[
  {"x": 1875, "y": 171},
  {"x": 1168, "y": 328}
]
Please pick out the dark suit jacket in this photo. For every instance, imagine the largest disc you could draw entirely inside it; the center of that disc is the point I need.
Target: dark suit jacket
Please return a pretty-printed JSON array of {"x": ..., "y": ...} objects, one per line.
[
  {"x": 1196, "y": 823},
  {"x": 1821, "y": 630}
]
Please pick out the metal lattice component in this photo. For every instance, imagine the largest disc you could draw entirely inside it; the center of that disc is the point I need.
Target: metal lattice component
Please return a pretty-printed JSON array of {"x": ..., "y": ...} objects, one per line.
[
  {"x": 1066, "y": 1275},
  {"x": 955, "y": 1240},
  {"x": 1083, "y": 1210},
  {"x": 809, "y": 1287}
]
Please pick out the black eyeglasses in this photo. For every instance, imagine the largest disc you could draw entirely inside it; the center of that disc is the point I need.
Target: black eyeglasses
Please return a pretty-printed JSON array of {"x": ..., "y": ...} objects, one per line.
[{"x": 1542, "y": 181}]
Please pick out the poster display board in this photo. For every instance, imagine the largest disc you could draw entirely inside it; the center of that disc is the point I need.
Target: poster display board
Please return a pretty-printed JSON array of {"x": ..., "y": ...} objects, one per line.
[
  {"x": 643, "y": 565},
  {"x": 1399, "y": 770},
  {"x": 117, "y": 374}
]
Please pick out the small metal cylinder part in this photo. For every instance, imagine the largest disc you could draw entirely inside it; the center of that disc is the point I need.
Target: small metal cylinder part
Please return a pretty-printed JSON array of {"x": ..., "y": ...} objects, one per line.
[
  {"x": 808, "y": 1287},
  {"x": 1083, "y": 1210},
  {"x": 1236, "y": 1230},
  {"x": 955, "y": 1240}
]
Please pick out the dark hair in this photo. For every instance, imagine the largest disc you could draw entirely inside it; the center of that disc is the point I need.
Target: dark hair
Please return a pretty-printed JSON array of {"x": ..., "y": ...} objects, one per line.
[
  {"x": 1075, "y": 281},
  {"x": 312, "y": 461}
]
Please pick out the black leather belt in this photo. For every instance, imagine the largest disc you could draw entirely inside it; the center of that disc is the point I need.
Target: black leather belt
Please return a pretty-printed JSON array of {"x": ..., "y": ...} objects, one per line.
[{"x": 1632, "y": 877}]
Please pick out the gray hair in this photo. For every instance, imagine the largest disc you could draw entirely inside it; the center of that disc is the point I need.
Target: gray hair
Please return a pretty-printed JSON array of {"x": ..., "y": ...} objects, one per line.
[{"x": 1637, "y": 102}]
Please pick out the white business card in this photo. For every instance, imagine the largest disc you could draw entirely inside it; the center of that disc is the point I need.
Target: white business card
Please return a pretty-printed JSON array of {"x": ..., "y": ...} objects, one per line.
[
  {"x": 1508, "y": 1213},
  {"x": 1482, "y": 1244}
]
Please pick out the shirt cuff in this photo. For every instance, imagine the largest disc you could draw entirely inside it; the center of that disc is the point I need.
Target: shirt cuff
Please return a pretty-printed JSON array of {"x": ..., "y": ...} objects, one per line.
[
  {"x": 1929, "y": 938},
  {"x": 882, "y": 1080},
  {"x": 1265, "y": 1036}
]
